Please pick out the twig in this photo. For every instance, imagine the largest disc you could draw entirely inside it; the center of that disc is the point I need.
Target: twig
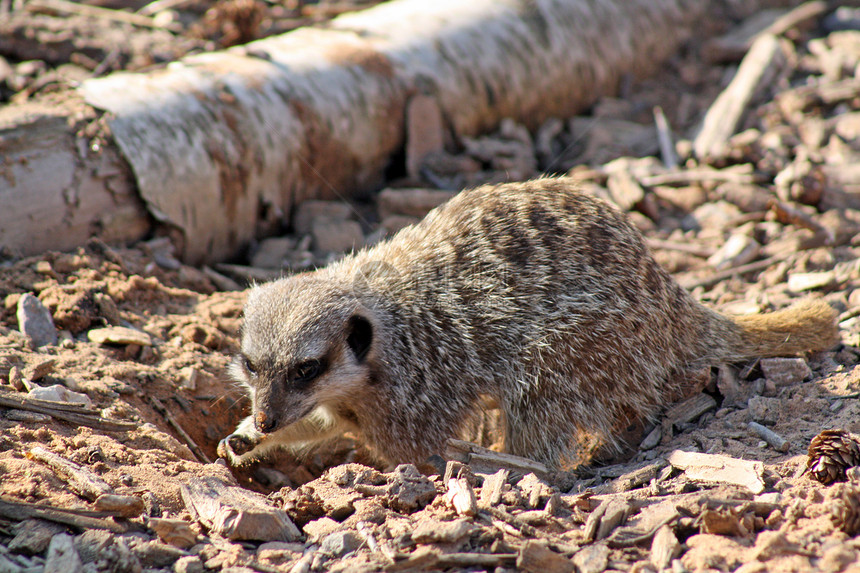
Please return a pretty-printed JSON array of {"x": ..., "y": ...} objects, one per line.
[
  {"x": 796, "y": 17},
  {"x": 161, "y": 5},
  {"x": 462, "y": 560},
  {"x": 701, "y": 175},
  {"x": 617, "y": 540},
  {"x": 773, "y": 439},
  {"x": 728, "y": 273},
  {"x": 189, "y": 441},
  {"x": 74, "y": 413},
  {"x": 786, "y": 214},
  {"x": 556, "y": 542},
  {"x": 762, "y": 63},
  {"x": 98, "y": 12},
  {"x": 664, "y": 137},
  {"x": 696, "y": 250},
  {"x": 82, "y": 519},
  {"x": 80, "y": 479}
]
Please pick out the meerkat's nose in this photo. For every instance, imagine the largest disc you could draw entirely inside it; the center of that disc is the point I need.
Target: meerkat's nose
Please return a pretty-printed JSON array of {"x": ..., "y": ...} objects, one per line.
[{"x": 264, "y": 423}]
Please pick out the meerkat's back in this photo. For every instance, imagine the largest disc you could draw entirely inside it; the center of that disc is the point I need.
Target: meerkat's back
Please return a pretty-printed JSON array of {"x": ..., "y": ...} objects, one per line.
[{"x": 540, "y": 296}]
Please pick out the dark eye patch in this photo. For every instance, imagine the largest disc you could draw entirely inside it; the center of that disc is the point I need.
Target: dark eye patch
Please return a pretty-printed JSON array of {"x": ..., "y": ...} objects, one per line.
[{"x": 306, "y": 372}]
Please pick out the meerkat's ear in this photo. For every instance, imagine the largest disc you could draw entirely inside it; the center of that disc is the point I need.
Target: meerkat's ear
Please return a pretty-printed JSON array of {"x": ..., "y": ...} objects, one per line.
[{"x": 359, "y": 337}]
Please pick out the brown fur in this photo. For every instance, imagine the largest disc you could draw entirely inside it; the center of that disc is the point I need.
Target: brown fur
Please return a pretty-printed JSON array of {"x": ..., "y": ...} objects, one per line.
[{"x": 535, "y": 295}]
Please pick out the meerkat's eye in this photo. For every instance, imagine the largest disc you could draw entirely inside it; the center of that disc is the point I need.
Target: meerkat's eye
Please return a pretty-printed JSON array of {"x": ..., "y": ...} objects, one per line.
[
  {"x": 306, "y": 372},
  {"x": 249, "y": 366}
]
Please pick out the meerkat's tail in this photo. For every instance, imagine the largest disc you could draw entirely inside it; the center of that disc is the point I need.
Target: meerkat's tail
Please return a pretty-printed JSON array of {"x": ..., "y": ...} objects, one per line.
[{"x": 808, "y": 326}]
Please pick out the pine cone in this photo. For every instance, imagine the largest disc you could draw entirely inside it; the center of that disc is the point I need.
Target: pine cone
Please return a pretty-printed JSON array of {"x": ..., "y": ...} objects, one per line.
[{"x": 831, "y": 453}]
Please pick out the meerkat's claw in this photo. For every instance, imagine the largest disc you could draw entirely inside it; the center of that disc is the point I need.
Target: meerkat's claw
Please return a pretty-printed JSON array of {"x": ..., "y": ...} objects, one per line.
[{"x": 235, "y": 447}]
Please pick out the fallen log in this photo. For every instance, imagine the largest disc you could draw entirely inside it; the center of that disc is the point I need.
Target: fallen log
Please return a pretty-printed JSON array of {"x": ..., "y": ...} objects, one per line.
[{"x": 221, "y": 146}]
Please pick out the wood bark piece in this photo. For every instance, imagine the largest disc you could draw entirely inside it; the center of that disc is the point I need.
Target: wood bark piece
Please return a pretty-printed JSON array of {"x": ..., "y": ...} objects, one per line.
[
  {"x": 19, "y": 511},
  {"x": 52, "y": 179},
  {"x": 222, "y": 145},
  {"x": 483, "y": 460},
  {"x": 75, "y": 413},
  {"x": 82, "y": 480},
  {"x": 236, "y": 513},
  {"x": 760, "y": 66},
  {"x": 721, "y": 469}
]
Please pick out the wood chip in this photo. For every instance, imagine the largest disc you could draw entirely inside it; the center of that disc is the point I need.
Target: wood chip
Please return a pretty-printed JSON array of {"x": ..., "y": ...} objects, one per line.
[
  {"x": 236, "y": 513},
  {"x": 536, "y": 557},
  {"x": 664, "y": 547},
  {"x": 721, "y": 469},
  {"x": 461, "y": 496},
  {"x": 491, "y": 492},
  {"x": 70, "y": 412},
  {"x": 120, "y": 505},
  {"x": 176, "y": 532},
  {"x": 119, "y": 335}
]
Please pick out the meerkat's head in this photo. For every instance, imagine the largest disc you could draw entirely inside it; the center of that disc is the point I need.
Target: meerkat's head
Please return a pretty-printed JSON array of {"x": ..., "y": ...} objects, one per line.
[{"x": 306, "y": 343}]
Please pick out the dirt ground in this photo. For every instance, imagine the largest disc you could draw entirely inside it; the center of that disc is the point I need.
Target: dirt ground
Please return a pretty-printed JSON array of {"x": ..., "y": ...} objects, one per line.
[{"x": 774, "y": 219}]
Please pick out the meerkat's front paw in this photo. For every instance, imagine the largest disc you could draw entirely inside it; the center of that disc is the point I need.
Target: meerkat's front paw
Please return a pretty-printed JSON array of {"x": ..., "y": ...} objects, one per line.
[{"x": 236, "y": 448}]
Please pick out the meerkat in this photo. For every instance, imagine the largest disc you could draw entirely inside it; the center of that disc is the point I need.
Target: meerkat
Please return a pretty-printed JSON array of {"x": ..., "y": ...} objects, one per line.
[{"x": 533, "y": 294}]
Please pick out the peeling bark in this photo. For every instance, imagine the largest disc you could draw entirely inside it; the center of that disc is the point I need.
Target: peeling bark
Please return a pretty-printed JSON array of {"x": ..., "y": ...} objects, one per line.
[{"x": 223, "y": 145}]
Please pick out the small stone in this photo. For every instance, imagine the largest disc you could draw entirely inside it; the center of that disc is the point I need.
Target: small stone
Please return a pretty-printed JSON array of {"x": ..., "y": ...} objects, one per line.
[
  {"x": 536, "y": 557},
  {"x": 188, "y": 564},
  {"x": 592, "y": 558},
  {"x": 410, "y": 202},
  {"x": 157, "y": 554},
  {"x": 62, "y": 556},
  {"x": 764, "y": 410},
  {"x": 173, "y": 531},
  {"x": 33, "y": 536},
  {"x": 785, "y": 371},
  {"x": 310, "y": 211},
  {"x": 441, "y": 531},
  {"x": 340, "y": 543},
  {"x": 800, "y": 282},
  {"x": 738, "y": 250},
  {"x": 408, "y": 489},
  {"x": 92, "y": 542},
  {"x": 319, "y": 528},
  {"x": 336, "y": 236},
  {"x": 272, "y": 253},
  {"x": 37, "y": 371},
  {"x": 35, "y": 320},
  {"x": 188, "y": 378},
  {"x": 16, "y": 380},
  {"x": 57, "y": 393},
  {"x": 119, "y": 335}
]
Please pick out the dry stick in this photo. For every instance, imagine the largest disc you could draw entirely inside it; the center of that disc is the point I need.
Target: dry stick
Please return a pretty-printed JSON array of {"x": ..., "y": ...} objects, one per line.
[
  {"x": 695, "y": 250},
  {"x": 161, "y": 409},
  {"x": 19, "y": 511},
  {"x": 701, "y": 175},
  {"x": 74, "y": 413},
  {"x": 773, "y": 439},
  {"x": 762, "y": 63},
  {"x": 786, "y": 214},
  {"x": 161, "y": 5},
  {"x": 729, "y": 273},
  {"x": 797, "y": 17},
  {"x": 664, "y": 137},
  {"x": 98, "y": 12},
  {"x": 560, "y": 544},
  {"x": 80, "y": 479},
  {"x": 461, "y": 560}
]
